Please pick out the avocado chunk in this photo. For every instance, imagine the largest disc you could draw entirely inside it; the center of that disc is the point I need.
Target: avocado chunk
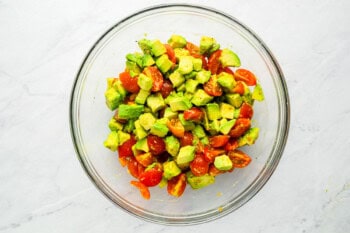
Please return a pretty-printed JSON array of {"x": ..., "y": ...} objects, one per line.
[
  {"x": 147, "y": 60},
  {"x": 197, "y": 182},
  {"x": 170, "y": 114},
  {"x": 112, "y": 141},
  {"x": 234, "y": 99},
  {"x": 203, "y": 76},
  {"x": 199, "y": 131},
  {"x": 176, "y": 78},
  {"x": 201, "y": 98},
  {"x": 179, "y": 52},
  {"x": 197, "y": 64},
  {"x": 113, "y": 98},
  {"x": 213, "y": 111},
  {"x": 223, "y": 162},
  {"x": 130, "y": 111},
  {"x": 146, "y": 120},
  {"x": 158, "y": 48},
  {"x": 214, "y": 127},
  {"x": 185, "y": 65},
  {"x": 205, "y": 141},
  {"x": 129, "y": 126},
  {"x": 180, "y": 103},
  {"x": 177, "y": 41},
  {"x": 139, "y": 131},
  {"x": 135, "y": 57},
  {"x": 155, "y": 102},
  {"x": 163, "y": 63},
  {"x": 188, "y": 125},
  {"x": 119, "y": 87},
  {"x": 229, "y": 58},
  {"x": 145, "y": 45},
  {"x": 123, "y": 137},
  {"x": 258, "y": 93},
  {"x": 186, "y": 155},
  {"x": 142, "y": 96},
  {"x": 249, "y": 137},
  {"x": 172, "y": 145},
  {"x": 181, "y": 88},
  {"x": 145, "y": 82},
  {"x": 207, "y": 45},
  {"x": 159, "y": 129},
  {"x": 114, "y": 125},
  {"x": 142, "y": 145},
  {"x": 226, "y": 80},
  {"x": 170, "y": 170},
  {"x": 191, "y": 85},
  {"x": 226, "y": 110},
  {"x": 133, "y": 68},
  {"x": 226, "y": 127}
]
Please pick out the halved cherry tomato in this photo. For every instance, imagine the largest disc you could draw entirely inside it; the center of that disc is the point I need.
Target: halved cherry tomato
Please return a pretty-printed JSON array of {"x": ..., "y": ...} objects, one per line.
[
  {"x": 226, "y": 70},
  {"x": 218, "y": 140},
  {"x": 143, "y": 189},
  {"x": 176, "y": 128},
  {"x": 239, "y": 88},
  {"x": 176, "y": 185},
  {"x": 157, "y": 77},
  {"x": 213, "y": 171},
  {"x": 232, "y": 144},
  {"x": 145, "y": 159},
  {"x": 214, "y": 62},
  {"x": 133, "y": 166},
  {"x": 245, "y": 76},
  {"x": 246, "y": 111},
  {"x": 239, "y": 158},
  {"x": 211, "y": 153},
  {"x": 151, "y": 177},
  {"x": 128, "y": 82},
  {"x": 204, "y": 63},
  {"x": 124, "y": 149},
  {"x": 240, "y": 127},
  {"x": 167, "y": 87},
  {"x": 187, "y": 139},
  {"x": 212, "y": 87},
  {"x": 193, "y": 49},
  {"x": 194, "y": 114},
  {"x": 123, "y": 161},
  {"x": 156, "y": 144},
  {"x": 171, "y": 53},
  {"x": 199, "y": 166}
]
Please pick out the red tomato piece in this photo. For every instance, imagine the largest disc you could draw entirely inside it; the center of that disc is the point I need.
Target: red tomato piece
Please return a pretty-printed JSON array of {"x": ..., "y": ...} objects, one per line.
[
  {"x": 214, "y": 62},
  {"x": 176, "y": 185},
  {"x": 245, "y": 76},
  {"x": 157, "y": 77},
  {"x": 204, "y": 63},
  {"x": 145, "y": 159},
  {"x": 212, "y": 87},
  {"x": 194, "y": 114},
  {"x": 125, "y": 150},
  {"x": 218, "y": 140},
  {"x": 167, "y": 87},
  {"x": 232, "y": 144},
  {"x": 193, "y": 49},
  {"x": 199, "y": 166},
  {"x": 151, "y": 177},
  {"x": 129, "y": 83},
  {"x": 156, "y": 144},
  {"x": 239, "y": 158},
  {"x": 133, "y": 166},
  {"x": 176, "y": 128},
  {"x": 240, "y": 127},
  {"x": 187, "y": 139},
  {"x": 239, "y": 88},
  {"x": 246, "y": 111},
  {"x": 170, "y": 52},
  {"x": 211, "y": 153},
  {"x": 143, "y": 189},
  {"x": 213, "y": 171},
  {"x": 226, "y": 70}
]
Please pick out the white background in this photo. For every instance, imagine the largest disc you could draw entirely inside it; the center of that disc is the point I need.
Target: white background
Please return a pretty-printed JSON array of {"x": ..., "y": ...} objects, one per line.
[{"x": 43, "y": 188}]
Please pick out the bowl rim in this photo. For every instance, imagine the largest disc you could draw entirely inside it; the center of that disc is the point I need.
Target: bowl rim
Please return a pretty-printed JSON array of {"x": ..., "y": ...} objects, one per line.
[{"x": 254, "y": 187}]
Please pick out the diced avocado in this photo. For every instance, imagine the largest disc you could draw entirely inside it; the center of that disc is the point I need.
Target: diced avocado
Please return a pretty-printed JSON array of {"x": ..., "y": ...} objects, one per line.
[
  {"x": 234, "y": 99},
  {"x": 135, "y": 57},
  {"x": 205, "y": 122},
  {"x": 110, "y": 82},
  {"x": 226, "y": 110},
  {"x": 180, "y": 104},
  {"x": 176, "y": 78},
  {"x": 119, "y": 87},
  {"x": 197, "y": 64},
  {"x": 258, "y": 93},
  {"x": 163, "y": 63},
  {"x": 186, "y": 155},
  {"x": 145, "y": 45},
  {"x": 112, "y": 141},
  {"x": 201, "y": 98},
  {"x": 203, "y": 76},
  {"x": 145, "y": 159},
  {"x": 163, "y": 120},
  {"x": 155, "y": 102},
  {"x": 170, "y": 170},
  {"x": 158, "y": 48},
  {"x": 179, "y": 52},
  {"x": 191, "y": 75},
  {"x": 214, "y": 48},
  {"x": 205, "y": 140},
  {"x": 172, "y": 145},
  {"x": 229, "y": 58},
  {"x": 113, "y": 98},
  {"x": 129, "y": 126},
  {"x": 147, "y": 60},
  {"x": 130, "y": 111},
  {"x": 226, "y": 127},
  {"x": 213, "y": 111},
  {"x": 188, "y": 95},
  {"x": 142, "y": 96},
  {"x": 145, "y": 82},
  {"x": 163, "y": 182},
  {"x": 170, "y": 114},
  {"x": 123, "y": 137},
  {"x": 191, "y": 85},
  {"x": 206, "y": 43},
  {"x": 248, "y": 98},
  {"x": 226, "y": 80},
  {"x": 142, "y": 145},
  {"x": 139, "y": 131},
  {"x": 236, "y": 113},
  {"x": 249, "y": 137},
  {"x": 159, "y": 129},
  {"x": 181, "y": 88},
  {"x": 185, "y": 65},
  {"x": 223, "y": 162},
  {"x": 214, "y": 127},
  {"x": 114, "y": 125},
  {"x": 199, "y": 131},
  {"x": 147, "y": 120},
  {"x": 188, "y": 125},
  {"x": 177, "y": 41},
  {"x": 133, "y": 68},
  {"x": 197, "y": 182}
]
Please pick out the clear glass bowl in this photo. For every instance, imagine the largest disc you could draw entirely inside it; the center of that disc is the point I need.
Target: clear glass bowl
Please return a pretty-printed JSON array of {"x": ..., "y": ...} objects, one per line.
[{"x": 89, "y": 115}]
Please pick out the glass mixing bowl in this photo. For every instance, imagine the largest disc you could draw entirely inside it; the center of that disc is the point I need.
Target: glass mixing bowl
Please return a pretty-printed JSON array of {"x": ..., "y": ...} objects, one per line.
[{"x": 89, "y": 115}]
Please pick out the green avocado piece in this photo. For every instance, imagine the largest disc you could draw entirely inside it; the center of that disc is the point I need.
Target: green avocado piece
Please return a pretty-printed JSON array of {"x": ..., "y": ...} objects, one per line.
[
  {"x": 191, "y": 75},
  {"x": 180, "y": 103},
  {"x": 236, "y": 113},
  {"x": 139, "y": 131},
  {"x": 258, "y": 93},
  {"x": 188, "y": 125},
  {"x": 179, "y": 52},
  {"x": 205, "y": 140},
  {"x": 158, "y": 48},
  {"x": 197, "y": 182},
  {"x": 229, "y": 58},
  {"x": 163, "y": 63},
  {"x": 147, "y": 60},
  {"x": 172, "y": 145},
  {"x": 114, "y": 125},
  {"x": 226, "y": 80},
  {"x": 214, "y": 48},
  {"x": 135, "y": 57},
  {"x": 142, "y": 145},
  {"x": 191, "y": 85},
  {"x": 112, "y": 141},
  {"x": 119, "y": 87},
  {"x": 197, "y": 64},
  {"x": 133, "y": 68},
  {"x": 234, "y": 99},
  {"x": 170, "y": 114},
  {"x": 113, "y": 98},
  {"x": 145, "y": 82},
  {"x": 227, "y": 110},
  {"x": 214, "y": 127},
  {"x": 155, "y": 102},
  {"x": 142, "y": 96},
  {"x": 213, "y": 111},
  {"x": 159, "y": 129},
  {"x": 185, "y": 65},
  {"x": 226, "y": 127},
  {"x": 203, "y": 76},
  {"x": 181, "y": 88},
  {"x": 201, "y": 98},
  {"x": 176, "y": 78},
  {"x": 199, "y": 131},
  {"x": 186, "y": 155},
  {"x": 147, "y": 120},
  {"x": 206, "y": 43},
  {"x": 170, "y": 170},
  {"x": 145, "y": 45},
  {"x": 249, "y": 137},
  {"x": 123, "y": 137},
  {"x": 223, "y": 162},
  {"x": 177, "y": 41},
  {"x": 129, "y": 126},
  {"x": 130, "y": 111}
]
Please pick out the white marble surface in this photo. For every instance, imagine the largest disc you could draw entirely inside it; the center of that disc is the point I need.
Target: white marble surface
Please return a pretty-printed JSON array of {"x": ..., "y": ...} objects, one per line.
[{"x": 42, "y": 185}]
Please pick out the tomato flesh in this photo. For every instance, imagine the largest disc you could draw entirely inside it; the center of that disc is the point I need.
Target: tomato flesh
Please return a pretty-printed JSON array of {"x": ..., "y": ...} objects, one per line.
[
  {"x": 199, "y": 166},
  {"x": 187, "y": 139},
  {"x": 151, "y": 177},
  {"x": 167, "y": 87},
  {"x": 246, "y": 111},
  {"x": 128, "y": 82},
  {"x": 194, "y": 114},
  {"x": 218, "y": 140},
  {"x": 156, "y": 144},
  {"x": 143, "y": 189},
  {"x": 156, "y": 76},
  {"x": 240, "y": 127},
  {"x": 176, "y": 128},
  {"x": 239, "y": 158},
  {"x": 239, "y": 88},
  {"x": 125, "y": 149},
  {"x": 176, "y": 185},
  {"x": 245, "y": 76},
  {"x": 214, "y": 62},
  {"x": 170, "y": 52},
  {"x": 212, "y": 87}
]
